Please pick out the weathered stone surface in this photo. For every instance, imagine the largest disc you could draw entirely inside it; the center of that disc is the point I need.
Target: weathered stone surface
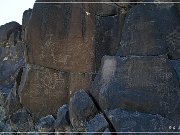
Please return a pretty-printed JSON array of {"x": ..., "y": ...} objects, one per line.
[
  {"x": 147, "y": 84},
  {"x": 81, "y": 109},
  {"x": 129, "y": 121},
  {"x": 97, "y": 124},
  {"x": 69, "y": 39},
  {"x": 43, "y": 90},
  {"x": 62, "y": 123},
  {"x": 62, "y": 42},
  {"x": 46, "y": 124},
  {"x": 151, "y": 30},
  {"x": 21, "y": 121},
  {"x": 78, "y": 81}
]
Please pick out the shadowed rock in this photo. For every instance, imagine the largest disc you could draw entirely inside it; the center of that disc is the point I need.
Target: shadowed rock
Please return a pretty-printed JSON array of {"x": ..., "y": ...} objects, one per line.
[
  {"x": 81, "y": 109},
  {"x": 147, "y": 84},
  {"x": 151, "y": 29},
  {"x": 46, "y": 124},
  {"x": 129, "y": 121},
  {"x": 62, "y": 123}
]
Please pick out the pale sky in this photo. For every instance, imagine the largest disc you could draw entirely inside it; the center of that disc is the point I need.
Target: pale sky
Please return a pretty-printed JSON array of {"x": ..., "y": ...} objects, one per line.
[{"x": 12, "y": 10}]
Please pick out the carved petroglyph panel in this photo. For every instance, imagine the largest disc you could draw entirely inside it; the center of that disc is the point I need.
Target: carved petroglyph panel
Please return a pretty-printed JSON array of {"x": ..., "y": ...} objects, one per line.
[{"x": 46, "y": 89}]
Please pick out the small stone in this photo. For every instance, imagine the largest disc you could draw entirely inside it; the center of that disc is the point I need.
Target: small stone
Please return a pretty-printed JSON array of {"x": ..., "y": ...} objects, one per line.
[{"x": 46, "y": 124}]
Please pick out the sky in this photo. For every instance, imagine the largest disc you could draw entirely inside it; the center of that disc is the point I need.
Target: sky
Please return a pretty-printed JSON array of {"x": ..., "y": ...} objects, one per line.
[{"x": 12, "y": 10}]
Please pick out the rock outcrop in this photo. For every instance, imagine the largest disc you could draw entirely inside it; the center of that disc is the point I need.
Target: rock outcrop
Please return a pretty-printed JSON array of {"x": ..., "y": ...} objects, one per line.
[{"x": 98, "y": 68}]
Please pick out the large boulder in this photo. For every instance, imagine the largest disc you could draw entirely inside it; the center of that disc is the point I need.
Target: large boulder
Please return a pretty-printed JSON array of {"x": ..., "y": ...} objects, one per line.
[
  {"x": 61, "y": 36},
  {"x": 151, "y": 29},
  {"x": 145, "y": 84}
]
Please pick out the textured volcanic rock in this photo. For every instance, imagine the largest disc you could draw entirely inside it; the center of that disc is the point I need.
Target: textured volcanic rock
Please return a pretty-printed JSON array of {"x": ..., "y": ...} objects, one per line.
[
  {"x": 68, "y": 39},
  {"x": 129, "y": 121},
  {"x": 151, "y": 30},
  {"x": 43, "y": 90},
  {"x": 21, "y": 121},
  {"x": 46, "y": 124},
  {"x": 62, "y": 123},
  {"x": 147, "y": 84},
  {"x": 97, "y": 124},
  {"x": 81, "y": 109},
  {"x": 62, "y": 42},
  {"x": 108, "y": 35}
]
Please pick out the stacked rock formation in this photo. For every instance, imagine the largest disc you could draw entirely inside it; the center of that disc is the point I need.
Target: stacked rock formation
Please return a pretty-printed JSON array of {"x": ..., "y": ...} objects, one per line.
[
  {"x": 64, "y": 51},
  {"x": 107, "y": 67}
]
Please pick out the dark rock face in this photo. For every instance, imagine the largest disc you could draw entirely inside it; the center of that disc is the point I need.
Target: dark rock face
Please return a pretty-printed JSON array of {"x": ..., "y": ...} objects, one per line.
[
  {"x": 47, "y": 91},
  {"x": 68, "y": 45},
  {"x": 128, "y": 121},
  {"x": 81, "y": 109},
  {"x": 65, "y": 38},
  {"x": 46, "y": 124},
  {"x": 25, "y": 22},
  {"x": 151, "y": 30},
  {"x": 26, "y": 17},
  {"x": 62, "y": 123},
  {"x": 108, "y": 35},
  {"x": 147, "y": 84}
]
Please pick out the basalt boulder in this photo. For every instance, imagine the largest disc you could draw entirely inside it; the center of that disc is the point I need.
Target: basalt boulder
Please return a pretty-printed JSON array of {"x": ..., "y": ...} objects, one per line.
[
  {"x": 129, "y": 121},
  {"x": 145, "y": 84},
  {"x": 151, "y": 29}
]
